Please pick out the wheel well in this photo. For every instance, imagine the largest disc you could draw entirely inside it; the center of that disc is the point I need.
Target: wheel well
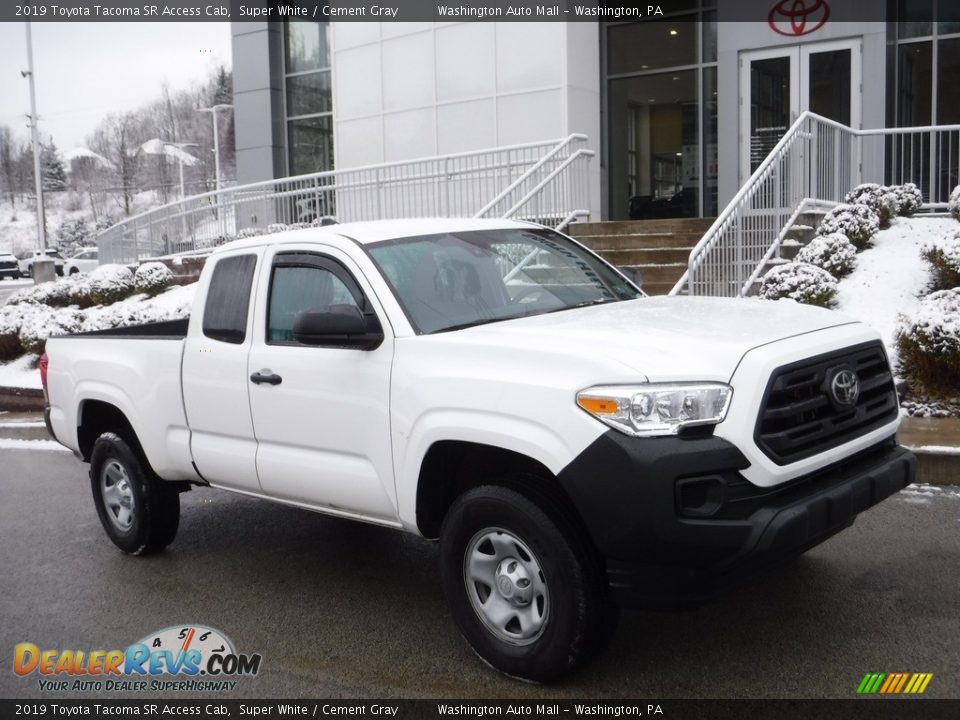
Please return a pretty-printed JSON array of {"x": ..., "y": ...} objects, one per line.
[
  {"x": 452, "y": 467},
  {"x": 97, "y": 417}
]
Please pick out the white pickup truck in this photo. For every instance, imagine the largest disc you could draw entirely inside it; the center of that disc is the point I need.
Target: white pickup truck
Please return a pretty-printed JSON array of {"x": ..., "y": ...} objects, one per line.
[{"x": 573, "y": 444}]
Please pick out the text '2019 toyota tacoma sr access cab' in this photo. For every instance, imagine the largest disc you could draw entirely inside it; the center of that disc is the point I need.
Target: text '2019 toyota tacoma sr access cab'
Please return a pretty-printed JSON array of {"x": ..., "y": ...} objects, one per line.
[{"x": 572, "y": 444}]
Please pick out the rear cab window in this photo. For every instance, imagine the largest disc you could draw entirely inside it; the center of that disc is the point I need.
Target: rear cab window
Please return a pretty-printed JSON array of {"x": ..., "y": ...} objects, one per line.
[{"x": 228, "y": 299}]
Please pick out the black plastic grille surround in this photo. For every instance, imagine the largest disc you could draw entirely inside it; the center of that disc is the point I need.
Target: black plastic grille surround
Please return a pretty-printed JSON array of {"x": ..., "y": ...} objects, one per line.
[{"x": 800, "y": 418}]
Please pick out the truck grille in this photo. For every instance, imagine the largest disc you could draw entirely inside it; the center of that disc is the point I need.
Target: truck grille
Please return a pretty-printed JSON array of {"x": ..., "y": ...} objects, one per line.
[{"x": 801, "y": 415}]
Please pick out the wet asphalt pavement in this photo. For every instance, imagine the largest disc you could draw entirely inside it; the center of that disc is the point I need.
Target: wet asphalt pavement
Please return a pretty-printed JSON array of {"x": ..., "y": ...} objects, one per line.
[{"x": 339, "y": 609}]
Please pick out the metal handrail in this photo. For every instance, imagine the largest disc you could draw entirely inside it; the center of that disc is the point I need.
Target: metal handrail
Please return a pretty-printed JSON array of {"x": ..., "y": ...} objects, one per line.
[
  {"x": 815, "y": 163},
  {"x": 453, "y": 185}
]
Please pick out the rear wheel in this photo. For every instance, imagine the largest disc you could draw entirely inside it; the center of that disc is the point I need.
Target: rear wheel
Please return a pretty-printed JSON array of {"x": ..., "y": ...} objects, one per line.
[
  {"x": 139, "y": 512},
  {"x": 525, "y": 589}
]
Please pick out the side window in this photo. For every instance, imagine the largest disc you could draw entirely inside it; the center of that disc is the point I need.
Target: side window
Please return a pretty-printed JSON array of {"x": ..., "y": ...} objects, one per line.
[
  {"x": 228, "y": 299},
  {"x": 296, "y": 288}
]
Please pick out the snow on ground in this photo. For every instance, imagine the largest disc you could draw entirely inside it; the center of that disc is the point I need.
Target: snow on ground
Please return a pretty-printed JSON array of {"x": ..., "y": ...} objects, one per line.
[
  {"x": 892, "y": 275},
  {"x": 10, "y": 444},
  {"x": 20, "y": 373}
]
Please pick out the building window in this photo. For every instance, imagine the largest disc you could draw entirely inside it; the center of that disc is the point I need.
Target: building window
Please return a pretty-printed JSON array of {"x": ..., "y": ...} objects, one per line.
[
  {"x": 923, "y": 61},
  {"x": 309, "y": 97},
  {"x": 661, "y": 79}
]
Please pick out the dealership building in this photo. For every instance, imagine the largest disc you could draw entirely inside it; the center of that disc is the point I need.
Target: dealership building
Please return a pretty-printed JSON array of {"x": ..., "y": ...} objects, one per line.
[{"x": 679, "y": 108}]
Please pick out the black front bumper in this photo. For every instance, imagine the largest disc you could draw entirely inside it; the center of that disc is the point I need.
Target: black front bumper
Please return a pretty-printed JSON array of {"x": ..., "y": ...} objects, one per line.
[{"x": 677, "y": 523}]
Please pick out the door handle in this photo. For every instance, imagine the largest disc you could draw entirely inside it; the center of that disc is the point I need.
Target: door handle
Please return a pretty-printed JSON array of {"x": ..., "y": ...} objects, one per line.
[{"x": 265, "y": 376}]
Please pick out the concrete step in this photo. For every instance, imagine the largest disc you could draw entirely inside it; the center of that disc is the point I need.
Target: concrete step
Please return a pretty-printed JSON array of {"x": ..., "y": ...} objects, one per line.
[
  {"x": 664, "y": 273},
  {"x": 22, "y": 426},
  {"x": 632, "y": 227},
  {"x": 640, "y": 241},
  {"x": 646, "y": 256}
]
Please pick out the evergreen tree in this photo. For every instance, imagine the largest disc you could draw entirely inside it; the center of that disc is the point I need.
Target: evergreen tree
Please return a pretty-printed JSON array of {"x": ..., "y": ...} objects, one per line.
[{"x": 53, "y": 175}]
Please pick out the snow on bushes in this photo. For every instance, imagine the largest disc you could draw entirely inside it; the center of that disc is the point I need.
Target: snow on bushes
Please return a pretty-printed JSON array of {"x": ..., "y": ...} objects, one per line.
[
  {"x": 953, "y": 203},
  {"x": 152, "y": 278},
  {"x": 38, "y": 324},
  {"x": 879, "y": 198},
  {"x": 799, "y": 281},
  {"x": 833, "y": 253},
  {"x": 929, "y": 345},
  {"x": 72, "y": 290},
  {"x": 858, "y": 222},
  {"x": 944, "y": 258},
  {"x": 110, "y": 284},
  {"x": 10, "y": 320},
  {"x": 909, "y": 198}
]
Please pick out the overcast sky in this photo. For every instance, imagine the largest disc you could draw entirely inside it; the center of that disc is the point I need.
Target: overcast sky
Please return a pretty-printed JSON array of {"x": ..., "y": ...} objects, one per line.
[{"x": 86, "y": 70}]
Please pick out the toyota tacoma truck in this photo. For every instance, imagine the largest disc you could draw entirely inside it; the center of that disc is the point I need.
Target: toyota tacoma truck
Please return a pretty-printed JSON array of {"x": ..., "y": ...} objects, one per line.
[{"x": 574, "y": 445}]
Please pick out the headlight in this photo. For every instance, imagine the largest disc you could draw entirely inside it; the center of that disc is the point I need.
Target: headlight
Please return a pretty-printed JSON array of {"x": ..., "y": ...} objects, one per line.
[{"x": 656, "y": 409}]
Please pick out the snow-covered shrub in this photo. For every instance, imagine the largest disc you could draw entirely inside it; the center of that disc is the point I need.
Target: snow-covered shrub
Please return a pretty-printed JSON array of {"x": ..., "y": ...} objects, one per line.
[
  {"x": 929, "y": 345},
  {"x": 37, "y": 327},
  {"x": 11, "y": 317},
  {"x": 953, "y": 203},
  {"x": 944, "y": 258},
  {"x": 909, "y": 198},
  {"x": 833, "y": 253},
  {"x": 858, "y": 222},
  {"x": 879, "y": 198},
  {"x": 276, "y": 227},
  {"x": 134, "y": 313},
  {"x": 152, "y": 278},
  {"x": 799, "y": 281},
  {"x": 110, "y": 284},
  {"x": 250, "y": 232}
]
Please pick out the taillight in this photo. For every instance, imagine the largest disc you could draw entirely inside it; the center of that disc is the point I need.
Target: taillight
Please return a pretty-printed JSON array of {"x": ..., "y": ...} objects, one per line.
[{"x": 44, "y": 361}]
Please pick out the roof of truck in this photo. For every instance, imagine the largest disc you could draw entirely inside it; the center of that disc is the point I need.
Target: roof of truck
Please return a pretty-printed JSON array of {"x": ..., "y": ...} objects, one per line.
[{"x": 375, "y": 230}]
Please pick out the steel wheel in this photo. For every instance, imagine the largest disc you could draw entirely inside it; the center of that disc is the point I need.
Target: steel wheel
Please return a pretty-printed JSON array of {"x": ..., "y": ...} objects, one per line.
[
  {"x": 506, "y": 586},
  {"x": 117, "y": 494}
]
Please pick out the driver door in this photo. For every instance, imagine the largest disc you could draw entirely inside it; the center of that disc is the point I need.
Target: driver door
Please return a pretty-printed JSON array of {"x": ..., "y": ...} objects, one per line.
[{"x": 322, "y": 420}]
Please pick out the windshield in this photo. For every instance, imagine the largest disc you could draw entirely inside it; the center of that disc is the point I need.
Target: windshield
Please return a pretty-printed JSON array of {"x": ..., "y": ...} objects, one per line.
[{"x": 455, "y": 280}]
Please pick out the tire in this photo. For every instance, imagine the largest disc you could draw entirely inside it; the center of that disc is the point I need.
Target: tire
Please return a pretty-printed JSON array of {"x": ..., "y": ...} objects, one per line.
[
  {"x": 555, "y": 612},
  {"x": 138, "y": 511}
]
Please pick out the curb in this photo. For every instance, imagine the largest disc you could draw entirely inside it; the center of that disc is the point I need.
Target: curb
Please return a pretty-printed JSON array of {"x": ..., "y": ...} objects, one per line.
[{"x": 21, "y": 399}]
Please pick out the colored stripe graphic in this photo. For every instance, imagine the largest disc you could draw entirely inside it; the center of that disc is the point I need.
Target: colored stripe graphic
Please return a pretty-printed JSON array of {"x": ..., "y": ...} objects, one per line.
[{"x": 894, "y": 683}]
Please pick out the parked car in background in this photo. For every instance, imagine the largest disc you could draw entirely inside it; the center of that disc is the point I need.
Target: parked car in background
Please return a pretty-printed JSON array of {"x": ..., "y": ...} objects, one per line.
[
  {"x": 84, "y": 261},
  {"x": 8, "y": 266},
  {"x": 26, "y": 265}
]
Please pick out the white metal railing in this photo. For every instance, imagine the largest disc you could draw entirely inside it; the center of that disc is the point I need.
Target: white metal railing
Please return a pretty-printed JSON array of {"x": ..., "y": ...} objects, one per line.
[
  {"x": 544, "y": 181},
  {"x": 813, "y": 166}
]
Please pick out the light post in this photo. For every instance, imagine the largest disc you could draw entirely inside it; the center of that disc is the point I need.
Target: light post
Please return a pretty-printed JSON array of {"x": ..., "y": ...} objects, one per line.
[
  {"x": 41, "y": 221},
  {"x": 182, "y": 146},
  {"x": 216, "y": 137}
]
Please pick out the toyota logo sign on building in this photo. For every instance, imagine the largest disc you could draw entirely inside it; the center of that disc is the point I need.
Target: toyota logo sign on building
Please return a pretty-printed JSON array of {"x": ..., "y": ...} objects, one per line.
[{"x": 798, "y": 17}]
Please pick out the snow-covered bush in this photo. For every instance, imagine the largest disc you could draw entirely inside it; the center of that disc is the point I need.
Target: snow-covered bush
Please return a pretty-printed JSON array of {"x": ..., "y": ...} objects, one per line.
[
  {"x": 799, "y": 281},
  {"x": 249, "y": 232},
  {"x": 879, "y": 198},
  {"x": 110, "y": 284},
  {"x": 929, "y": 345},
  {"x": 944, "y": 258},
  {"x": 152, "y": 278},
  {"x": 11, "y": 317},
  {"x": 858, "y": 222},
  {"x": 37, "y": 326},
  {"x": 953, "y": 203},
  {"x": 833, "y": 253},
  {"x": 909, "y": 198}
]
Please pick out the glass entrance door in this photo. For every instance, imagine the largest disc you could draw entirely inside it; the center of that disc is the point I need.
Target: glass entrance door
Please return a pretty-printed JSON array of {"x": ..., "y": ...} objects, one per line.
[{"x": 777, "y": 85}]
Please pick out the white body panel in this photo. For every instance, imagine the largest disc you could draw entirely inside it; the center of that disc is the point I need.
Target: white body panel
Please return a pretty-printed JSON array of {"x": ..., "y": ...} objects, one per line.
[{"x": 347, "y": 430}]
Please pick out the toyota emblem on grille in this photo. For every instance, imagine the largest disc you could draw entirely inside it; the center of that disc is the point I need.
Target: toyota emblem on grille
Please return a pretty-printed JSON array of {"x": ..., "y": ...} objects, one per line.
[{"x": 845, "y": 387}]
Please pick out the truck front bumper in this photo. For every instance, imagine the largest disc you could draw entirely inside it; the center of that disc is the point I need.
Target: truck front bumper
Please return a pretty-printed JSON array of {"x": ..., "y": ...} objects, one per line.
[{"x": 677, "y": 523}]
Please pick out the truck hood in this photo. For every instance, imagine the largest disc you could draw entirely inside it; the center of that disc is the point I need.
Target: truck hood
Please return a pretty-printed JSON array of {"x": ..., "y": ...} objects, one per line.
[{"x": 660, "y": 338}]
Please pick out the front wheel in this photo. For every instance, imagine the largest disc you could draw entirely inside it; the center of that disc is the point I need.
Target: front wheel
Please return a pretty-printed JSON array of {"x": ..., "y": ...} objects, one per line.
[
  {"x": 139, "y": 512},
  {"x": 523, "y": 586}
]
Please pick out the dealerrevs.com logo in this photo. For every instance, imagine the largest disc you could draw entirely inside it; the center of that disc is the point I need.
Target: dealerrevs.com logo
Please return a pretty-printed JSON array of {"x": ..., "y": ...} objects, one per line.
[{"x": 181, "y": 657}]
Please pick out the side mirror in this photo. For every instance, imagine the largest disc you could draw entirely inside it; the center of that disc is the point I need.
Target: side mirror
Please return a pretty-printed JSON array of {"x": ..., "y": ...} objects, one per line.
[{"x": 340, "y": 326}]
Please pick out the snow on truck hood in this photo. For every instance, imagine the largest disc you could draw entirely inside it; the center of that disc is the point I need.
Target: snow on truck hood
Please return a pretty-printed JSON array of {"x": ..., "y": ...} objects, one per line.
[{"x": 662, "y": 338}]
